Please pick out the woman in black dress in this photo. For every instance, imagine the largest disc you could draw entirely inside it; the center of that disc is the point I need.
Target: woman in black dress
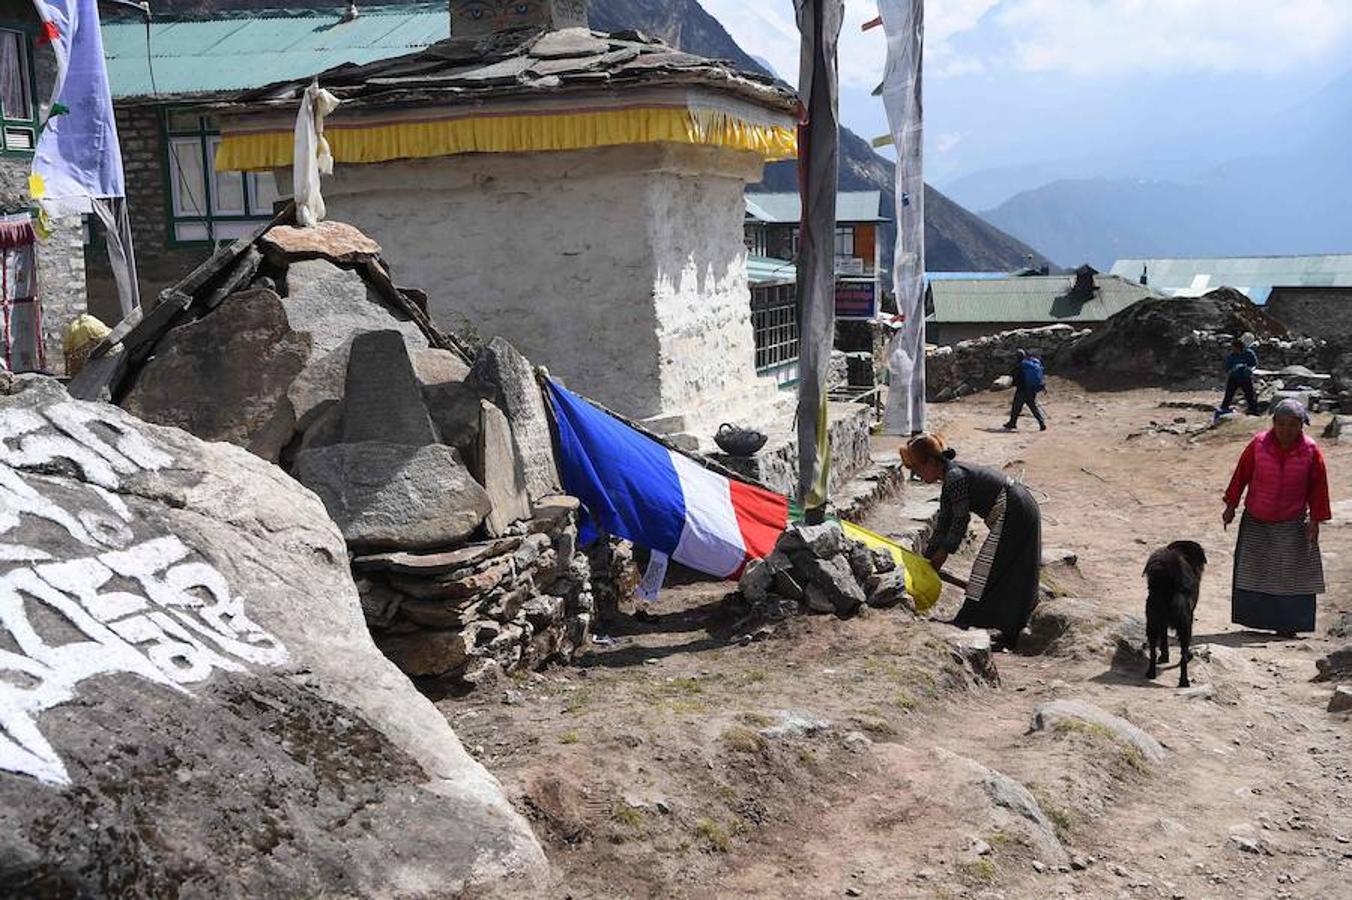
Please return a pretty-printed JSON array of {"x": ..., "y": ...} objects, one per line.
[{"x": 1005, "y": 581}]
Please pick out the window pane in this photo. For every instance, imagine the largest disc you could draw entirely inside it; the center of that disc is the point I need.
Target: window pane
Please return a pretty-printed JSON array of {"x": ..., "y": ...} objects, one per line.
[
  {"x": 227, "y": 196},
  {"x": 14, "y": 76},
  {"x": 263, "y": 194},
  {"x": 191, "y": 231},
  {"x": 186, "y": 171}
]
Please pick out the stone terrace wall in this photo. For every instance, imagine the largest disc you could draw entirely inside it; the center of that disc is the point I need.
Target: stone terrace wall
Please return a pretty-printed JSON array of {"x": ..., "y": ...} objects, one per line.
[
  {"x": 970, "y": 367},
  {"x": 1197, "y": 363},
  {"x": 1326, "y": 312}
]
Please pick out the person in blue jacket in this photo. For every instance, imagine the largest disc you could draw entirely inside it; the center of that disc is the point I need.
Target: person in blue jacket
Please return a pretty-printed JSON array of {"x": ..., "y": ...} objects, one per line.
[
  {"x": 1239, "y": 366},
  {"x": 1029, "y": 381}
]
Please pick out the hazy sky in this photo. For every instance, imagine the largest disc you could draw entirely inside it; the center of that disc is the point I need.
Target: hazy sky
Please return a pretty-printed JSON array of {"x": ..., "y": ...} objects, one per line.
[{"x": 1012, "y": 82}]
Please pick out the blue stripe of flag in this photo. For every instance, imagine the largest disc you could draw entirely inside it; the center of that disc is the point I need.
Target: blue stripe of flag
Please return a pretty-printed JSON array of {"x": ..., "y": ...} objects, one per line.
[{"x": 626, "y": 481}]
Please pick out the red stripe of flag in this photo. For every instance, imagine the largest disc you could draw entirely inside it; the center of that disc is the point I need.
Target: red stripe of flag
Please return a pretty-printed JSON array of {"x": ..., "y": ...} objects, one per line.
[
  {"x": 762, "y": 517},
  {"x": 49, "y": 34}
]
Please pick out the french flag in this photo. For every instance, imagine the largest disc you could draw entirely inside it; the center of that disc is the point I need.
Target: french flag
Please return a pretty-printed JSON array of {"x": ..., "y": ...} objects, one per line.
[{"x": 637, "y": 489}]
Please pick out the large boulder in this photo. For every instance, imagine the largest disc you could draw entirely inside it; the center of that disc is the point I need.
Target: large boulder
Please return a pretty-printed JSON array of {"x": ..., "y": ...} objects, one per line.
[
  {"x": 506, "y": 378},
  {"x": 190, "y": 700},
  {"x": 393, "y": 496},
  {"x": 224, "y": 377},
  {"x": 332, "y": 304}
]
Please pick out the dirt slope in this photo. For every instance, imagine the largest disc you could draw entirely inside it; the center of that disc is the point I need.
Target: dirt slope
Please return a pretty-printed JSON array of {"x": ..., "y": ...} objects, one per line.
[{"x": 837, "y": 758}]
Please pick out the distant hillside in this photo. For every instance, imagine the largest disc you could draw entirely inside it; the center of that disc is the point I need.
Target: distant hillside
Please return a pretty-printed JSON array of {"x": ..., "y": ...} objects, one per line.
[{"x": 1287, "y": 191}]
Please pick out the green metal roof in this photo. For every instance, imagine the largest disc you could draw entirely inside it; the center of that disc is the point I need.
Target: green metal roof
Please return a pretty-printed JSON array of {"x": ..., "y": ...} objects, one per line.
[
  {"x": 1253, "y": 276},
  {"x": 851, "y": 206},
  {"x": 232, "y": 52},
  {"x": 1031, "y": 299},
  {"x": 762, "y": 270}
]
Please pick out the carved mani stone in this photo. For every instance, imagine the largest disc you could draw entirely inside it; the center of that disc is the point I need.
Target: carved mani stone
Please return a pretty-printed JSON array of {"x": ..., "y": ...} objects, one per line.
[{"x": 472, "y": 18}]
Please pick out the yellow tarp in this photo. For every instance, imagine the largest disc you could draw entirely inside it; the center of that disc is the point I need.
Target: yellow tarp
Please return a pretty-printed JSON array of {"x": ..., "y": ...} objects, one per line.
[
  {"x": 922, "y": 582},
  {"x": 83, "y": 332},
  {"x": 527, "y": 132}
]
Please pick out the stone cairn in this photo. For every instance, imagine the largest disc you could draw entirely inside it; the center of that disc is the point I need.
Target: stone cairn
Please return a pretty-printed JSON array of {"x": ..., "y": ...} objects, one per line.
[
  {"x": 439, "y": 472},
  {"x": 817, "y": 569}
]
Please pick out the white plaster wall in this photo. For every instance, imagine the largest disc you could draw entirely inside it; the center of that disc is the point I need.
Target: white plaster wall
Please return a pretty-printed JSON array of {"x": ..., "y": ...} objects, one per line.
[
  {"x": 621, "y": 269},
  {"x": 702, "y": 300}
]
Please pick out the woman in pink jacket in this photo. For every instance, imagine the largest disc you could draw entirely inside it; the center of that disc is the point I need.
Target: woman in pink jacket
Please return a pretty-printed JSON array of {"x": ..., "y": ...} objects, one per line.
[{"x": 1278, "y": 570}]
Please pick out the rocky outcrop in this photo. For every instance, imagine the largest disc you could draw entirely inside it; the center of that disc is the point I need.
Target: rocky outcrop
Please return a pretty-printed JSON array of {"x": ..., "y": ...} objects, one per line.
[
  {"x": 191, "y": 695},
  {"x": 1048, "y": 715},
  {"x": 328, "y": 369},
  {"x": 1337, "y": 666},
  {"x": 989, "y": 801}
]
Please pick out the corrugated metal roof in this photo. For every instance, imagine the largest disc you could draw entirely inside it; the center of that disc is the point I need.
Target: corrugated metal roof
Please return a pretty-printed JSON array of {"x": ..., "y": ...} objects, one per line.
[
  {"x": 761, "y": 270},
  {"x": 966, "y": 276},
  {"x": 1253, "y": 276},
  {"x": 1041, "y": 299},
  {"x": 785, "y": 208},
  {"x": 248, "y": 50}
]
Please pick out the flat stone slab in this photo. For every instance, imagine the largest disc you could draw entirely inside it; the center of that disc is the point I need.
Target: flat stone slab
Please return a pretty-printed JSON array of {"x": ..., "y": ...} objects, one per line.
[
  {"x": 383, "y": 401},
  {"x": 336, "y": 242},
  {"x": 394, "y": 497},
  {"x": 499, "y": 469},
  {"x": 509, "y": 382},
  {"x": 437, "y": 563},
  {"x": 1047, "y": 715}
]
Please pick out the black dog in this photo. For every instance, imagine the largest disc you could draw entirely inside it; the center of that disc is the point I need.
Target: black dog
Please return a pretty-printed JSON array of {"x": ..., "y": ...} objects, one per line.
[{"x": 1174, "y": 577}]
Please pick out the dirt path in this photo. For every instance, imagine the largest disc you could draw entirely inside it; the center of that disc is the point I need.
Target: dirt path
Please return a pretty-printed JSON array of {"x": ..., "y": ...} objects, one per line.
[{"x": 815, "y": 763}]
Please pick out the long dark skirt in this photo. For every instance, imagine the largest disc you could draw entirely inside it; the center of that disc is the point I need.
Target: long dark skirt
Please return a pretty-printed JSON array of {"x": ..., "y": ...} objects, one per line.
[
  {"x": 1277, "y": 575},
  {"x": 1005, "y": 582}
]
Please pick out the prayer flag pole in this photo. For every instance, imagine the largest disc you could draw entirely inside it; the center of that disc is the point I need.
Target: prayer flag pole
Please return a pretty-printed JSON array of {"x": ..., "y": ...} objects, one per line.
[
  {"x": 904, "y": 24},
  {"x": 819, "y": 22}
]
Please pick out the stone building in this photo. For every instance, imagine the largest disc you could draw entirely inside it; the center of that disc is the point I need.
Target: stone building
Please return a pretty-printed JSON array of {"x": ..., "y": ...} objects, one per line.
[
  {"x": 963, "y": 309},
  {"x": 579, "y": 193},
  {"x": 1253, "y": 276},
  {"x": 772, "y": 230},
  {"x": 1324, "y": 312},
  {"x": 163, "y": 84},
  {"x": 27, "y": 76}
]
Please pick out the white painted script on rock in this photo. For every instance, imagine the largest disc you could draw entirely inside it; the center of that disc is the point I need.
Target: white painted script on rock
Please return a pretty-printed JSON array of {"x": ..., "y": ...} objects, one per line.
[{"x": 153, "y": 608}]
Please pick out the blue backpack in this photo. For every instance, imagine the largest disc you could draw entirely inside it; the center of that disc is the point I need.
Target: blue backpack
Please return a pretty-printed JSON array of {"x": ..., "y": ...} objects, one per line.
[{"x": 1034, "y": 382}]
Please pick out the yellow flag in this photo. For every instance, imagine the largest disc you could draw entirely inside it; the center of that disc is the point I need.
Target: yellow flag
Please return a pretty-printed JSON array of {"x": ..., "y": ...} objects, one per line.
[{"x": 922, "y": 582}]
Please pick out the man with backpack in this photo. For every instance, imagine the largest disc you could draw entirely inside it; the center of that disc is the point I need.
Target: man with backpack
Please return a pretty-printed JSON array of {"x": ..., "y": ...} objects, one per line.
[
  {"x": 1029, "y": 381},
  {"x": 1239, "y": 366}
]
